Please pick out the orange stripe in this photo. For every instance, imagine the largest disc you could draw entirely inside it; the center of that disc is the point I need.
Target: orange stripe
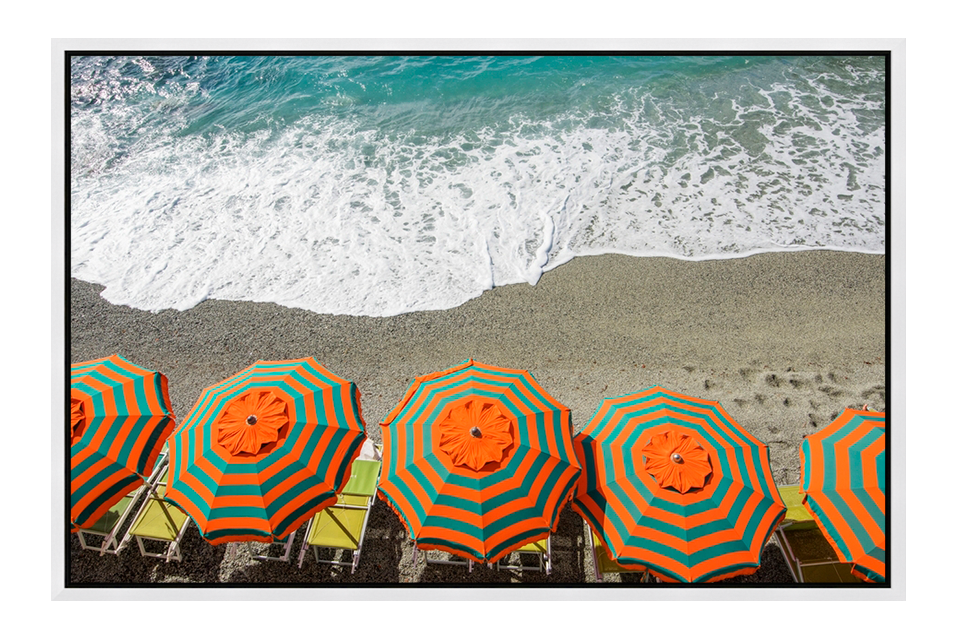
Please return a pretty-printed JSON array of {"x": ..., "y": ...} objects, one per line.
[
  {"x": 95, "y": 468},
  {"x": 96, "y": 493},
  {"x": 871, "y": 481}
]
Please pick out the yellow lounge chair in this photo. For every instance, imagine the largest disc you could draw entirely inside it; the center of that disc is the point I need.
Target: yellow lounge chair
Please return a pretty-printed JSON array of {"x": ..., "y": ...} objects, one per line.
[
  {"x": 159, "y": 521},
  {"x": 809, "y": 556},
  {"x": 603, "y": 562},
  {"x": 540, "y": 549},
  {"x": 109, "y": 525},
  {"x": 344, "y": 524}
]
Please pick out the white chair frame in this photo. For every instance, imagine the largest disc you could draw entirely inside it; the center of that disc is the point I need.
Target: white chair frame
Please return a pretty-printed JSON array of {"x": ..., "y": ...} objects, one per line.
[
  {"x": 544, "y": 562},
  {"x": 355, "y": 558},
  {"x": 173, "y": 546},
  {"x": 110, "y": 543}
]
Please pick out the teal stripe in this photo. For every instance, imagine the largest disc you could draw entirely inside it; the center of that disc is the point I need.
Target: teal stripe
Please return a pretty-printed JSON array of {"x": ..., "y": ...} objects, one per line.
[
  {"x": 153, "y": 443},
  {"x": 126, "y": 458},
  {"x": 456, "y": 525},
  {"x": 225, "y": 533},
  {"x": 236, "y": 512},
  {"x": 92, "y": 482},
  {"x": 308, "y": 507},
  {"x": 298, "y": 489},
  {"x": 196, "y": 503},
  {"x": 530, "y": 510},
  {"x": 859, "y": 532},
  {"x": 109, "y": 495},
  {"x": 881, "y": 463},
  {"x": 861, "y": 493}
]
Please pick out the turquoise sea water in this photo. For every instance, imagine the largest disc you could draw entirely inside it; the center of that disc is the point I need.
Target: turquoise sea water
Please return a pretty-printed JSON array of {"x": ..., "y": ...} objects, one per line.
[{"x": 379, "y": 185}]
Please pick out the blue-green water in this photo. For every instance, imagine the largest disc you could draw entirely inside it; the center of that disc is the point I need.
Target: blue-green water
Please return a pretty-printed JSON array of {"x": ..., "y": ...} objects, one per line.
[{"x": 378, "y": 185}]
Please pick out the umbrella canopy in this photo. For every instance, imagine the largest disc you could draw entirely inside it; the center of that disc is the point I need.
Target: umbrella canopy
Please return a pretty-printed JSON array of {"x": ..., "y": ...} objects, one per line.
[
  {"x": 843, "y": 476},
  {"x": 478, "y": 461},
  {"x": 676, "y": 486},
  {"x": 120, "y": 416},
  {"x": 264, "y": 450}
]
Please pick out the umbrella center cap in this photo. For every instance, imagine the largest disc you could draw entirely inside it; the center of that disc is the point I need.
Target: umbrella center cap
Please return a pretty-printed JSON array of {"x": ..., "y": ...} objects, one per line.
[
  {"x": 78, "y": 418},
  {"x": 251, "y": 421},
  {"x": 475, "y": 433},
  {"x": 677, "y": 461}
]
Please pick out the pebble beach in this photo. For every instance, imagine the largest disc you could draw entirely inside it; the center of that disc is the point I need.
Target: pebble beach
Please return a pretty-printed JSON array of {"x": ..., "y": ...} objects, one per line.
[{"x": 784, "y": 341}]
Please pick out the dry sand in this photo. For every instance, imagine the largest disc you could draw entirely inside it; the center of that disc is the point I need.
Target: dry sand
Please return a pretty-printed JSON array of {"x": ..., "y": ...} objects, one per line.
[{"x": 784, "y": 341}]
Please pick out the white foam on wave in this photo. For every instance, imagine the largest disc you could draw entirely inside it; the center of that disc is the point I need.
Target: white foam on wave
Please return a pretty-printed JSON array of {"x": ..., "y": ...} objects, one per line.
[{"x": 333, "y": 218}]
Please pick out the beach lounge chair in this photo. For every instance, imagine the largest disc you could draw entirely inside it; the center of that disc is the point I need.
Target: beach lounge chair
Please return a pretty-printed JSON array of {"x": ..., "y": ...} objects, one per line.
[
  {"x": 809, "y": 556},
  {"x": 109, "y": 525},
  {"x": 603, "y": 562},
  {"x": 539, "y": 549},
  {"x": 159, "y": 521},
  {"x": 344, "y": 524}
]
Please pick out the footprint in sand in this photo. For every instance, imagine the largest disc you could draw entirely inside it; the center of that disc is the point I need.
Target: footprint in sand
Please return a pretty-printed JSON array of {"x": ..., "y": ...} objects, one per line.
[
  {"x": 876, "y": 393},
  {"x": 833, "y": 392}
]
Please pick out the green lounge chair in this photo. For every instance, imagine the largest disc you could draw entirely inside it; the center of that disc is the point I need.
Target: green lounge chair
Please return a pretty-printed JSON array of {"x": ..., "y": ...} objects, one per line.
[
  {"x": 109, "y": 525},
  {"x": 809, "y": 556},
  {"x": 540, "y": 549},
  {"x": 159, "y": 521},
  {"x": 603, "y": 562},
  {"x": 344, "y": 524}
]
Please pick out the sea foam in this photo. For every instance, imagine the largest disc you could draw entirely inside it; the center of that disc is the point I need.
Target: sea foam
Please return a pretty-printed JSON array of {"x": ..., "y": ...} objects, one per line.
[{"x": 331, "y": 214}]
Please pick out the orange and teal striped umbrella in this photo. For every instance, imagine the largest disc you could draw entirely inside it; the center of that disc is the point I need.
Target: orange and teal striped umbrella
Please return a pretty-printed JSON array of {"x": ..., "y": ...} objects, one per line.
[
  {"x": 478, "y": 461},
  {"x": 676, "y": 486},
  {"x": 264, "y": 450},
  {"x": 120, "y": 416},
  {"x": 843, "y": 476}
]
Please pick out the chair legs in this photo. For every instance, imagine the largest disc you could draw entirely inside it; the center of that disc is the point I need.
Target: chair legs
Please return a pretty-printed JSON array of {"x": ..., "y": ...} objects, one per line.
[
  {"x": 172, "y": 552},
  {"x": 355, "y": 553},
  {"x": 458, "y": 563},
  {"x": 544, "y": 561},
  {"x": 287, "y": 547}
]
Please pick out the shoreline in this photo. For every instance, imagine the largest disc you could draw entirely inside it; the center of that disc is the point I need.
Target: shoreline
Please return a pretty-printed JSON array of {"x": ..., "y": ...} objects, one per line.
[{"x": 783, "y": 340}]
